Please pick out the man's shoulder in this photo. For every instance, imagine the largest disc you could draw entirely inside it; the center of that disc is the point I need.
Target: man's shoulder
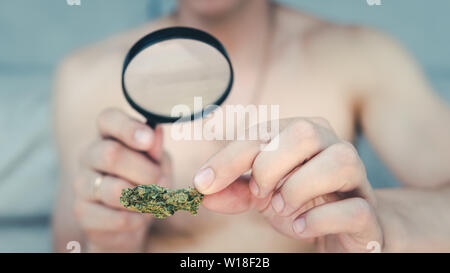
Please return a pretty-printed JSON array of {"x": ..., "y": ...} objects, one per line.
[
  {"x": 351, "y": 55},
  {"x": 319, "y": 35}
]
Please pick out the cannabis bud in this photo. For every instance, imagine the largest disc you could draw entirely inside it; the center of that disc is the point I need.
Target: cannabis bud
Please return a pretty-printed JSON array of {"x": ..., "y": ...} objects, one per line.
[{"x": 159, "y": 201}]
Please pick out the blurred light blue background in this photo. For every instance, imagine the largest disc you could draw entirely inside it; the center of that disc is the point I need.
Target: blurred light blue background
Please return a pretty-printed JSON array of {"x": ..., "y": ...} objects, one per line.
[{"x": 35, "y": 35}]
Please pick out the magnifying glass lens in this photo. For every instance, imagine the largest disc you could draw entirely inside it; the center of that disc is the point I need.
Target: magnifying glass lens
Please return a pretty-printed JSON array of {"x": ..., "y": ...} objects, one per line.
[{"x": 173, "y": 72}]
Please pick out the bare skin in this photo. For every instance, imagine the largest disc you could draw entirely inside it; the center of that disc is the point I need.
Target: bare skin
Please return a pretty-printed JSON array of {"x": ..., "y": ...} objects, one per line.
[{"x": 343, "y": 74}]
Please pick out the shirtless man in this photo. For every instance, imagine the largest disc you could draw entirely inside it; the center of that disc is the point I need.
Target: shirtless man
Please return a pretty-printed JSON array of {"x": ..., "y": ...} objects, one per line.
[{"x": 347, "y": 76}]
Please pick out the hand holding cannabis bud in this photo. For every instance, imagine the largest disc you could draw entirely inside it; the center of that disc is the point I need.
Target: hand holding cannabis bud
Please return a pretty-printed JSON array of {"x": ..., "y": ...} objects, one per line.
[
  {"x": 128, "y": 154},
  {"x": 312, "y": 187},
  {"x": 159, "y": 201}
]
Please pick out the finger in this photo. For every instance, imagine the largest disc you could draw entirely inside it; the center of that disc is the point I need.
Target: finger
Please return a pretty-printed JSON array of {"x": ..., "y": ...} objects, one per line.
[
  {"x": 113, "y": 123},
  {"x": 93, "y": 216},
  {"x": 107, "y": 192},
  {"x": 236, "y": 198},
  {"x": 337, "y": 169},
  {"x": 353, "y": 216},
  {"x": 239, "y": 156},
  {"x": 298, "y": 142},
  {"x": 226, "y": 166},
  {"x": 111, "y": 157}
]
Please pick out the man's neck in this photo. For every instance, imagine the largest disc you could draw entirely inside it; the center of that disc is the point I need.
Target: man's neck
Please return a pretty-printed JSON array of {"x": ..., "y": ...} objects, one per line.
[{"x": 238, "y": 30}]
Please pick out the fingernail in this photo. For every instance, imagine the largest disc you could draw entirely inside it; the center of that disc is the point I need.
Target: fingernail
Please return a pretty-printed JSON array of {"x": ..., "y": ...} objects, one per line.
[
  {"x": 277, "y": 203},
  {"x": 299, "y": 225},
  {"x": 203, "y": 179},
  {"x": 254, "y": 187},
  {"x": 143, "y": 136}
]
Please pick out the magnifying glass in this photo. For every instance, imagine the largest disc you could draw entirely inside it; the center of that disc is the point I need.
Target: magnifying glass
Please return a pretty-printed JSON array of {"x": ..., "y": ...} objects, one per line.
[{"x": 173, "y": 66}]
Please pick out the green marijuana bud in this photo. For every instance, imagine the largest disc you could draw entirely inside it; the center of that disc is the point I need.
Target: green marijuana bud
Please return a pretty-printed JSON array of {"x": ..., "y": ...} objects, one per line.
[{"x": 159, "y": 201}]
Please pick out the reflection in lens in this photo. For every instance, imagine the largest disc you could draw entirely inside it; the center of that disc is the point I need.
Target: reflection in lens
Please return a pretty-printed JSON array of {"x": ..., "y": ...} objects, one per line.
[{"x": 173, "y": 72}]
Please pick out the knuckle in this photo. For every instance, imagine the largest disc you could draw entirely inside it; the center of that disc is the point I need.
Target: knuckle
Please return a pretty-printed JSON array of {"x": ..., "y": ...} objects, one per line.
[
  {"x": 352, "y": 175},
  {"x": 345, "y": 154},
  {"x": 303, "y": 128},
  {"x": 305, "y": 134},
  {"x": 351, "y": 166},
  {"x": 111, "y": 152}
]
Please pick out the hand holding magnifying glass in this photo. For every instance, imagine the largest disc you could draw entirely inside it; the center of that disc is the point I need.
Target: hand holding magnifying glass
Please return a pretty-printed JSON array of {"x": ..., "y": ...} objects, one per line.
[{"x": 163, "y": 70}]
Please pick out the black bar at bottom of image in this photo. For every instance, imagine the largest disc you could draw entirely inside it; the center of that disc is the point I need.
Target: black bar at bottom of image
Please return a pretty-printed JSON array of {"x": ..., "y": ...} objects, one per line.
[{"x": 221, "y": 262}]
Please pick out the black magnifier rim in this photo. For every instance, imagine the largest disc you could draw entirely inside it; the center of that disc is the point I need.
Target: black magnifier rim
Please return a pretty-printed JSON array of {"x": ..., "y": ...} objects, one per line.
[{"x": 169, "y": 34}]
